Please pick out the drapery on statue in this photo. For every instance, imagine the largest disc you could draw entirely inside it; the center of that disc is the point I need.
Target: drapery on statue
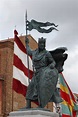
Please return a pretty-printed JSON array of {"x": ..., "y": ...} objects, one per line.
[{"x": 47, "y": 65}]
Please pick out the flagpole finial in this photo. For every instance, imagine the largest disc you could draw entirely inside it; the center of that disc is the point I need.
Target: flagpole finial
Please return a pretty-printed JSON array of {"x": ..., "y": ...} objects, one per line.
[
  {"x": 15, "y": 27},
  {"x": 26, "y": 22},
  {"x": 26, "y": 14}
]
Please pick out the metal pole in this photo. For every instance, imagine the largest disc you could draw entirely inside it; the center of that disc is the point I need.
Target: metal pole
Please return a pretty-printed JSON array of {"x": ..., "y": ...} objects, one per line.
[{"x": 26, "y": 47}]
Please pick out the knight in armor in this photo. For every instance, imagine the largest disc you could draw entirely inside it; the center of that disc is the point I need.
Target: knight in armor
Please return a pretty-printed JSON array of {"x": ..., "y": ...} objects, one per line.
[{"x": 42, "y": 87}]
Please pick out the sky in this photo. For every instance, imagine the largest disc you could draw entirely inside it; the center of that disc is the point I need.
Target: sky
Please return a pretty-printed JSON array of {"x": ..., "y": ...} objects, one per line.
[{"x": 63, "y": 13}]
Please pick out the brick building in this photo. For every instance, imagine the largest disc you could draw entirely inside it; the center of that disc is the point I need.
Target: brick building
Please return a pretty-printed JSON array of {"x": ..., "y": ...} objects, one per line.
[{"x": 9, "y": 99}]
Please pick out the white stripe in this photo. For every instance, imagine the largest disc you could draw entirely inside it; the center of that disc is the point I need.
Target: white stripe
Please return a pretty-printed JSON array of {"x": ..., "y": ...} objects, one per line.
[
  {"x": 22, "y": 56},
  {"x": 19, "y": 75}
]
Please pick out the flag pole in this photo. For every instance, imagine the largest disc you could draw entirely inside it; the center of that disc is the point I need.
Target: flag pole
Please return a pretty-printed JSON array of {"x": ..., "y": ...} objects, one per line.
[{"x": 26, "y": 47}]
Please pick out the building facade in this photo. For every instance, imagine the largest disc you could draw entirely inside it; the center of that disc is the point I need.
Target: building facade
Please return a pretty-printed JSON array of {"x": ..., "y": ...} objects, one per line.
[{"x": 9, "y": 99}]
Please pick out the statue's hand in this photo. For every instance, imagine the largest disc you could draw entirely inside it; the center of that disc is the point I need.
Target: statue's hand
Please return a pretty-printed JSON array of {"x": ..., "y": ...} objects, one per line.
[
  {"x": 26, "y": 40},
  {"x": 52, "y": 65}
]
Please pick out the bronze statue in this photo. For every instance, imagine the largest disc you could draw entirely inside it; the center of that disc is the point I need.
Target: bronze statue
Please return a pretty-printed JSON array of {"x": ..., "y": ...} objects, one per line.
[{"x": 42, "y": 87}]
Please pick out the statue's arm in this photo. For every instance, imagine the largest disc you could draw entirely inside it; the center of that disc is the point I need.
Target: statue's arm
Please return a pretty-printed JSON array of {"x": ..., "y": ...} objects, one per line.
[
  {"x": 28, "y": 49},
  {"x": 51, "y": 61}
]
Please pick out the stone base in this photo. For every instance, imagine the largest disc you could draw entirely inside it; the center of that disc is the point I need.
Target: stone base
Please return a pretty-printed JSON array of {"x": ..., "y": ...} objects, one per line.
[{"x": 33, "y": 113}]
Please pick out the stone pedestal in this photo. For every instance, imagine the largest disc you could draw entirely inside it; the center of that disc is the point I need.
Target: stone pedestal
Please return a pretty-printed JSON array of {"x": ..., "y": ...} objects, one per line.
[{"x": 33, "y": 113}]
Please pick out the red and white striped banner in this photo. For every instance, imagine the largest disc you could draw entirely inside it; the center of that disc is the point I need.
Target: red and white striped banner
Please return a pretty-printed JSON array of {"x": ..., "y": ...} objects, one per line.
[{"x": 20, "y": 68}]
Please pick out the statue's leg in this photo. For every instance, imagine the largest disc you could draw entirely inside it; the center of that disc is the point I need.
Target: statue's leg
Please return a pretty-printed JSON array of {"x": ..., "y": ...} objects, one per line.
[{"x": 28, "y": 104}]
